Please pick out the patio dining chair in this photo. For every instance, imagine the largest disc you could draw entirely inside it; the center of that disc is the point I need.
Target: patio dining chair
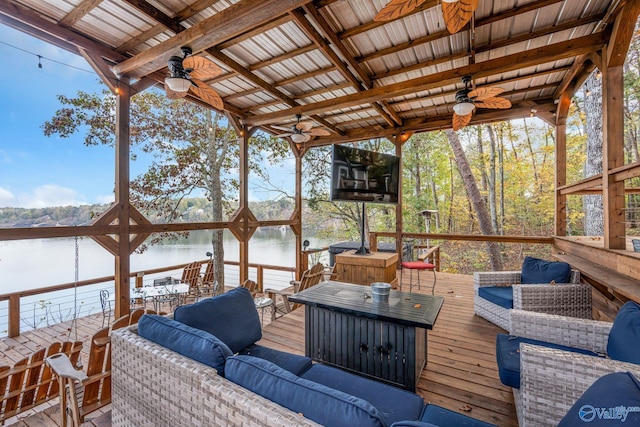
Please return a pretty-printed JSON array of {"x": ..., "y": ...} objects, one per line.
[
  {"x": 191, "y": 275},
  {"x": 310, "y": 277},
  {"x": 208, "y": 284}
]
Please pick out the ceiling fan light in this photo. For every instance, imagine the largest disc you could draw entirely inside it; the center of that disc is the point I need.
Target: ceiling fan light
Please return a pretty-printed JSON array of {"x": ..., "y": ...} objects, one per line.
[
  {"x": 298, "y": 138},
  {"x": 449, "y": 1},
  {"x": 177, "y": 84},
  {"x": 463, "y": 108}
]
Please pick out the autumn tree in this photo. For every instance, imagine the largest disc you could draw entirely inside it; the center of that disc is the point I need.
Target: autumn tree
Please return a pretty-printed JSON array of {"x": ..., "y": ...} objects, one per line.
[{"x": 194, "y": 152}]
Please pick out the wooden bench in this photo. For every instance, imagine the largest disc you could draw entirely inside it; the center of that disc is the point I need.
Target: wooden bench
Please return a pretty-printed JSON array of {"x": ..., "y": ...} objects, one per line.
[{"x": 614, "y": 288}]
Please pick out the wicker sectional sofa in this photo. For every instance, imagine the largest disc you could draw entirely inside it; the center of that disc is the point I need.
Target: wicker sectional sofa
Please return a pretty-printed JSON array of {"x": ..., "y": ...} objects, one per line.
[
  {"x": 552, "y": 380},
  {"x": 185, "y": 376}
]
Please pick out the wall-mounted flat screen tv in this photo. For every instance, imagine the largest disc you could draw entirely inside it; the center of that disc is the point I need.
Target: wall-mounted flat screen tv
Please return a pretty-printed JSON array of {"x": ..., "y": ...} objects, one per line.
[{"x": 364, "y": 176}]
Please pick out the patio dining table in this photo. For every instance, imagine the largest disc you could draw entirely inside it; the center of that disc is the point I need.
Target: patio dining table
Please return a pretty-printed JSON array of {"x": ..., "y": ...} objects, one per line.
[{"x": 157, "y": 294}]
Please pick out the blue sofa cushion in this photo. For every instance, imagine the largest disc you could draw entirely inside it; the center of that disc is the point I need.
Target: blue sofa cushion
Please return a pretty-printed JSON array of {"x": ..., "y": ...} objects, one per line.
[
  {"x": 624, "y": 338},
  {"x": 393, "y": 403},
  {"x": 314, "y": 401},
  {"x": 610, "y": 401},
  {"x": 190, "y": 342},
  {"x": 501, "y": 295},
  {"x": 291, "y": 362},
  {"x": 536, "y": 270},
  {"x": 508, "y": 356},
  {"x": 413, "y": 424},
  {"x": 232, "y": 317}
]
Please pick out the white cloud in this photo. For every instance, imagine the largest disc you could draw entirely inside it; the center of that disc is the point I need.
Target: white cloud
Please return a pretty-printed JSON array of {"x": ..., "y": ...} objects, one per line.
[
  {"x": 7, "y": 198},
  {"x": 49, "y": 195}
]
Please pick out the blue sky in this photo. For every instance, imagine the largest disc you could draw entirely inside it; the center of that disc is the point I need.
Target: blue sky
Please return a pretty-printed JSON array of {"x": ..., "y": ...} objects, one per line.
[{"x": 39, "y": 171}]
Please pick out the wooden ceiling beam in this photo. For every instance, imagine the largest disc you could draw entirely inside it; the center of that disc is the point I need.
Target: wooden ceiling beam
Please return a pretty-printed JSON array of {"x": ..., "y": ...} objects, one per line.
[
  {"x": 384, "y": 110},
  {"x": 320, "y": 42},
  {"x": 541, "y": 55},
  {"x": 156, "y": 14},
  {"x": 534, "y": 5},
  {"x": 375, "y": 24},
  {"x": 241, "y": 70},
  {"x": 182, "y": 15},
  {"x": 555, "y": 28},
  {"x": 424, "y": 125},
  {"x": 621, "y": 33},
  {"x": 228, "y": 23},
  {"x": 274, "y": 23},
  {"x": 283, "y": 57},
  {"x": 307, "y": 75},
  {"x": 483, "y": 48},
  {"x": 78, "y": 12},
  {"x": 59, "y": 35},
  {"x": 324, "y": 47}
]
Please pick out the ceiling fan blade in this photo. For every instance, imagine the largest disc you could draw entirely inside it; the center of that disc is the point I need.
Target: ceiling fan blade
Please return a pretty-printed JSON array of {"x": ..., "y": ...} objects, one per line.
[
  {"x": 171, "y": 94},
  {"x": 461, "y": 121},
  {"x": 397, "y": 8},
  {"x": 206, "y": 93},
  {"x": 284, "y": 128},
  {"x": 201, "y": 68},
  {"x": 499, "y": 103},
  {"x": 304, "y": 126},
  {"x": 456, "y": 15},
  {"x": 283, "y": 135},
  {"x": 319, "y": 132},
  {"x": 306, "y": 137},
  {"x": 483, "y": 93}
]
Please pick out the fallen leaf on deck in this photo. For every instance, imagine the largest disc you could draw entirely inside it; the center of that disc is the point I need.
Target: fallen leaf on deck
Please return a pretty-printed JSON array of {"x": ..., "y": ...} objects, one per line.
[
  {"x": 465, "y": 408},
  {"x": 417, "y": 306},
  {"x": 450, "y": 292}
]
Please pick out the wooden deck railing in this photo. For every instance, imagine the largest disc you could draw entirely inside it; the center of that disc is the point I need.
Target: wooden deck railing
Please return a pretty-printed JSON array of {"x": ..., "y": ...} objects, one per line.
[{"x": 14, "y": 298}]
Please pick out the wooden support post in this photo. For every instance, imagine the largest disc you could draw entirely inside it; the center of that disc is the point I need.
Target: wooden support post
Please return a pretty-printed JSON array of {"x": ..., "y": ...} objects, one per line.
[
  {"x": 244, "y": 203},
  {"x": 122, "y": 262},
  {"x": 398, "y": 143},
  {"x": 302, "y": 260},
  {"x": 560, "y": 225},
  {"x": 613, "y": 157},
  {"x": 14, "y": 316},
  {"x": 260, "y": 278}
]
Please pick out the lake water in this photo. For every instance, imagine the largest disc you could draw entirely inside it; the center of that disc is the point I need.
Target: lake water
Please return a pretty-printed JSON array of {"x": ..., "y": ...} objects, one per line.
[{"x": 30, "y": 264}]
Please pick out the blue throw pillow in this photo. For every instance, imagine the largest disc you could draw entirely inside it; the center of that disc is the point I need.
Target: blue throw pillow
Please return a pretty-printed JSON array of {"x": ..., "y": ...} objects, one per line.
[
  {"x": 314, "y": 401},
  {"x": 536, "y": 270},
  {"x": 190, "y": 342},
  {"x": 613, "y": 400},
  {"x": 232, "y": 317},
  {"x": 624, "y": 337}
]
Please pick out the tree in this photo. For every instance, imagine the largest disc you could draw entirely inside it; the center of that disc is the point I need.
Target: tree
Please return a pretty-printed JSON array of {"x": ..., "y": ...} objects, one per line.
[
  {"x": 475, "y": 198},
  {"x": 194, "y": 150},
  {"x": 593, "y": 204}
]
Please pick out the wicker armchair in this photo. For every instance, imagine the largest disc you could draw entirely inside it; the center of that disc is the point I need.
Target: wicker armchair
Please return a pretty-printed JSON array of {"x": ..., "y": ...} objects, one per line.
[
  {"x": 565, "y": 299},
  {"x": 552, "y": 380}
]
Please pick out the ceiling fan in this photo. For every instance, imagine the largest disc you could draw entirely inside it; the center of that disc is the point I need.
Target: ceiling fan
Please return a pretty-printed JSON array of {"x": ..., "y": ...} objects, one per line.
[
  {"x": 456, "y": 13},
  {"x": 467, "y": 100},
  {"x": 301, "y": 132},
  {"x": 187, "y": 74}
]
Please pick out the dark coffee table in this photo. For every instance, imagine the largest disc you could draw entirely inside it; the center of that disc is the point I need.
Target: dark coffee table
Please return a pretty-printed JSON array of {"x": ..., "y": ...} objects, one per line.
[{"x": 386, "y": 341}]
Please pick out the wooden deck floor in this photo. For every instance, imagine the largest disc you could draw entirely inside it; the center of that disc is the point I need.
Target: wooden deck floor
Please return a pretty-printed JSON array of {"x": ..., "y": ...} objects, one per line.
[{"x": 461, "y": 372}]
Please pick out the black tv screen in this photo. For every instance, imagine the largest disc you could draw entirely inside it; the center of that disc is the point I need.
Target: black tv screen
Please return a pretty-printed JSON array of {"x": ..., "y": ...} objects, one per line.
[{"x": 364, "y": 176}]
